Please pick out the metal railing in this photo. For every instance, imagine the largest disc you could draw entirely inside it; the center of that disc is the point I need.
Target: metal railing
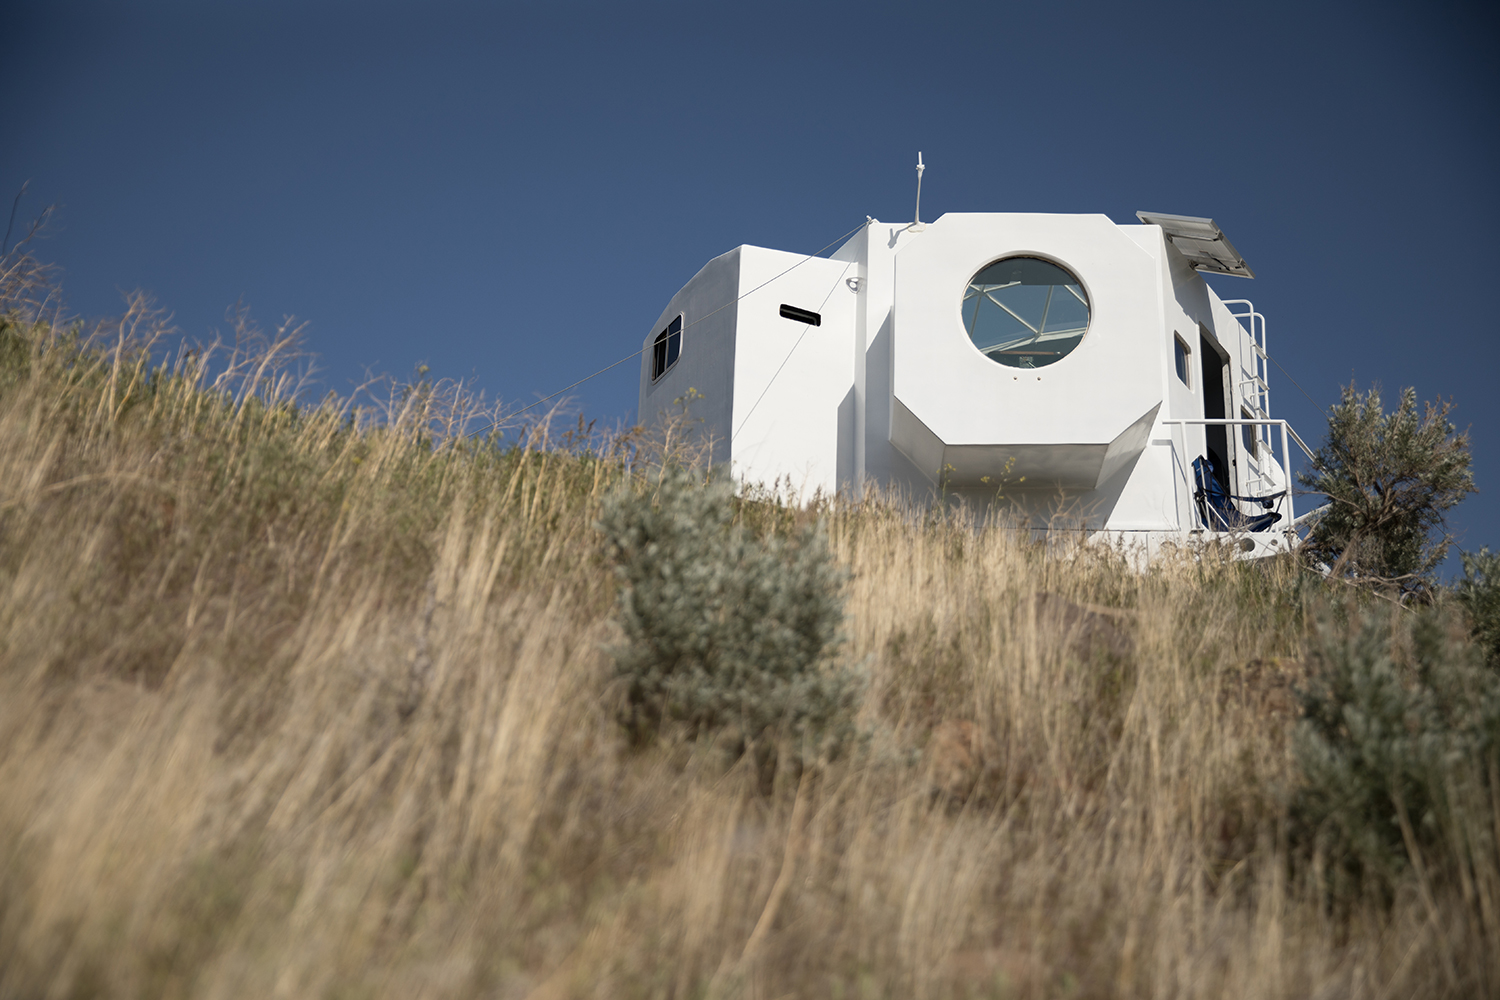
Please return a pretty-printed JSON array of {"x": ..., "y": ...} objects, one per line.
[
  {"x": 1287, "y": 434},
  {"x": 1253, "y": 386}
]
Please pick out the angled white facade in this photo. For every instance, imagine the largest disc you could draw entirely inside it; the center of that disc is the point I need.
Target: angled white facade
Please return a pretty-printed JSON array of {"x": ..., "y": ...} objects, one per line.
[{"x": 1074, "y": 365}]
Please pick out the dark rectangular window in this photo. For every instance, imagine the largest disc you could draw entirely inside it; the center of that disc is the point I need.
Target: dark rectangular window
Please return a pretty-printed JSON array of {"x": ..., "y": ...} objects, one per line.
[
  {"x": 666, "y": 349},
  {"x": 1248, "y": 436},
  {"x": 1184, "y": 361},
  {"x": 801, "y": 315}
]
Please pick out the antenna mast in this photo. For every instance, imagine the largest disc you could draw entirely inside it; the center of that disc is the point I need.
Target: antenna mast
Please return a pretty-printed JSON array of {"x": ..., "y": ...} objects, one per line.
[{"x": 916, "y": 225}]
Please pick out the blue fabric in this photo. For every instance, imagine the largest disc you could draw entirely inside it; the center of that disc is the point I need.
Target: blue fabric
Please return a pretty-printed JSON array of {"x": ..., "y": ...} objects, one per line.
[{"x": 1218, "y": 509}]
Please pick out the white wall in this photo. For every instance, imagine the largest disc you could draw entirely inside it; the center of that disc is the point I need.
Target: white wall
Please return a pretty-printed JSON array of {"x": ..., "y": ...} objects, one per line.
[
  {"x": 707, "y": 361},
  {"x": 793, "y": 382},
  {"x": 1104, "y": 385},
  {"x": 1159, "y": 494},
  {"x": 874, "y": 250}
]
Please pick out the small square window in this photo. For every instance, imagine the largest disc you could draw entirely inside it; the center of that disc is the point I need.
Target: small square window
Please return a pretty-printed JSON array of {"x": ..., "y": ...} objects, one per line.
[
  {"x": 666, "y": 349},
  {"x": 1248, "y": 434},
  {"x": 1184, "y": 357}
]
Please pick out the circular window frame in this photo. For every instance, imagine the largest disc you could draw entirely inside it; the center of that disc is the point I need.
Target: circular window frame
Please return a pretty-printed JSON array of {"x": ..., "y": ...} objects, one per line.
[{"x": 1035, "y": 255}]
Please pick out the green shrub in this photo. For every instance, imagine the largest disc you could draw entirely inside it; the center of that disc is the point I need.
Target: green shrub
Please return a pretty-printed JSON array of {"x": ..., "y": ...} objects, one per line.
[
  {"x": 727, "y": 632},
  {"x": 1479, "y": 593},
  {"x": 1393, "y": 748},
  {"x": 1390, "y": 478}
]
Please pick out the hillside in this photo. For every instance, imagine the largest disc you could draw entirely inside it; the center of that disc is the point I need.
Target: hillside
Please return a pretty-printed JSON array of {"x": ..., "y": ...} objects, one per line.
[{"x": 318, "y": 700}]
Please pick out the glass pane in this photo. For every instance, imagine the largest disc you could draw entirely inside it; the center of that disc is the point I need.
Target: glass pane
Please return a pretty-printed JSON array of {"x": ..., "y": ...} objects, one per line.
[
  {"x": 666, "y": 348},
  {"x": 659, "y": 356},
  {"x": 674, "y": 341},
  {"x": 1025, "y": 312}
]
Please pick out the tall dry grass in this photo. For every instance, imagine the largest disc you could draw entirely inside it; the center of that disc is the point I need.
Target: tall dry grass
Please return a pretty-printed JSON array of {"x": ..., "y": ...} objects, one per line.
[{"x": 312, "y": 700}]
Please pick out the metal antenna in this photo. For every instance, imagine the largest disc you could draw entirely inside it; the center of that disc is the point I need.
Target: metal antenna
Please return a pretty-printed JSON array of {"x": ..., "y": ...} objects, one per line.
[{"x": 916, "y": 225}]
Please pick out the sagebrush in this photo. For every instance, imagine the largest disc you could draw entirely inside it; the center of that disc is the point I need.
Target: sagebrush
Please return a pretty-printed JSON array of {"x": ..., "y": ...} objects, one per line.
[
  {"x": 726, "y": 630},
  {"x": 1478, "y": 592},
  {"x": 1397, "y": 749},
  {"x": 1390, "y": 479}
]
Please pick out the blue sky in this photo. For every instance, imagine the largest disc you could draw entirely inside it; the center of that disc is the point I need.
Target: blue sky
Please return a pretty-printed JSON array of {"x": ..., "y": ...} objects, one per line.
[{"x": 511, "y": 192}]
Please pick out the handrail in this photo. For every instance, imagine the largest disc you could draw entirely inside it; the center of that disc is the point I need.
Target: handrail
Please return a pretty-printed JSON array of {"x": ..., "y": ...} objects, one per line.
[
  {"x": 1254, "y": 420},
  {"x": 1301, "y": 444},
  {"x": 1286, "y": 429},
  {"x": 1259, "y": 347}
]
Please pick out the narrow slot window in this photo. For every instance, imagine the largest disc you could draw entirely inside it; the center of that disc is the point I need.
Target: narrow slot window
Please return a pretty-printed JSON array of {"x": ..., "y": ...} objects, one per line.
[
  {"x": 1184, "y": 358},
  {"x": 801, "y": 315},
  {"x": 666, "y": 349}
]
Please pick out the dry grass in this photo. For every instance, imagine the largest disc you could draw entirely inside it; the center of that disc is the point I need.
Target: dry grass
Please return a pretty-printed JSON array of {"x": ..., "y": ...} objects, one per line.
[{"x": 299, "y": 702}]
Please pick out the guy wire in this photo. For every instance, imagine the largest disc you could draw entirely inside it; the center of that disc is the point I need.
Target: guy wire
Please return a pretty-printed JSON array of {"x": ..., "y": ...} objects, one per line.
[{"x": 700, "y": 319}]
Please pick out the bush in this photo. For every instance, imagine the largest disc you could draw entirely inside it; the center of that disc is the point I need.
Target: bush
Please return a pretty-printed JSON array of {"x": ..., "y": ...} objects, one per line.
[
  {"x": 1389, "y": 478},
  {"x": 1393, "y": 749},
  {"x": 1479, "y": 593},
  {"x": 726, "y": 631}
]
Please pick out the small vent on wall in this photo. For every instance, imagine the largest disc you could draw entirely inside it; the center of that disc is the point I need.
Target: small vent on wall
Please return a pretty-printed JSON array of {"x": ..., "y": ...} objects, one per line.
[{"x": 801, "y": 315}]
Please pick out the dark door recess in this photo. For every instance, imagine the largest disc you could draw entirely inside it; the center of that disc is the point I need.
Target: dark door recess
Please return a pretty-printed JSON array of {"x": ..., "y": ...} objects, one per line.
[{"x": 1215, "y": 371}]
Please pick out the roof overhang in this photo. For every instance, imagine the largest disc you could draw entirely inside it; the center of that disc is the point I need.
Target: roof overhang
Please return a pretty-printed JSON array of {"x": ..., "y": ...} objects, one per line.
[{"x": 1201, "y": 241}]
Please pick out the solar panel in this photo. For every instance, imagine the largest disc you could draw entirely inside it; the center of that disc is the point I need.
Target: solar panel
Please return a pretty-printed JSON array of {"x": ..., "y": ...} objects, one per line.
[{"x": 1201, "y": 241}]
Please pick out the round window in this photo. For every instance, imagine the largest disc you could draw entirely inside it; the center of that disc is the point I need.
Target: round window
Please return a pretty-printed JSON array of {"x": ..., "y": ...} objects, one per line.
[{"x": 1025, "y": 312}]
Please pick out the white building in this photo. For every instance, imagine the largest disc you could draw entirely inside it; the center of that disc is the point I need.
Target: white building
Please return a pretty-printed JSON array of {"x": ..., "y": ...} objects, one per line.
[{"x": 1070, "y": 363}]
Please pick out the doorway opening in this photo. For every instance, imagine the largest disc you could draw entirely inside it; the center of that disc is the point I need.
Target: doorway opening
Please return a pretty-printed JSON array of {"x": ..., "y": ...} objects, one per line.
[{"x": 1216, "y": 436}]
